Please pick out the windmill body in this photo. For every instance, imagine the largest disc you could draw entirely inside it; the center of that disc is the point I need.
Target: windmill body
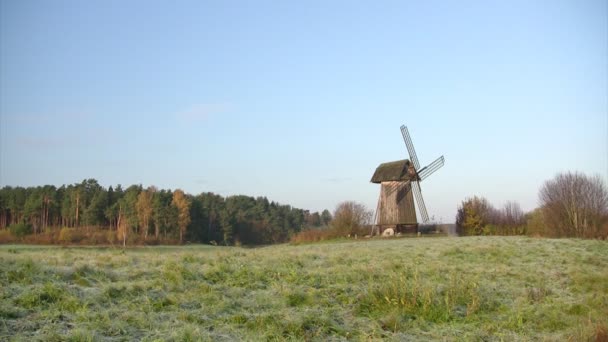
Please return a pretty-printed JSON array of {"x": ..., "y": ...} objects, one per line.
[
  {"x": 399, "y": 185},
  {"x": 396, "y": 202}
]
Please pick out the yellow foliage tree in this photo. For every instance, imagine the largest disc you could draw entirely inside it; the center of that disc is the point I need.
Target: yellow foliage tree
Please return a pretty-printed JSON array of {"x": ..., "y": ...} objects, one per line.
[
  {"x": 473, "y": 216},
  {"x": 182, "y": 204},
  {"x": 144, "y": 210},
  {"x": 122, "y": 228}
]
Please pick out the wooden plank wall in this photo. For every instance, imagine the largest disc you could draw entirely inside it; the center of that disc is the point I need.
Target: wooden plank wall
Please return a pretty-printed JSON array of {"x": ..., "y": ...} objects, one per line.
[{"x": 396, "y": 204}]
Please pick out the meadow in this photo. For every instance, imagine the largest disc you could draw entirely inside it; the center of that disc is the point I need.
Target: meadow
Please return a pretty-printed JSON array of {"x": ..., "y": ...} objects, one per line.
[{"x": 445, "y": 288}]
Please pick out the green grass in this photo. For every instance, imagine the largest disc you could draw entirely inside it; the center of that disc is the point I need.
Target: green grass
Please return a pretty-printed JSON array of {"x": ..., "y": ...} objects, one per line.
[{"x": 474, "y": 288}]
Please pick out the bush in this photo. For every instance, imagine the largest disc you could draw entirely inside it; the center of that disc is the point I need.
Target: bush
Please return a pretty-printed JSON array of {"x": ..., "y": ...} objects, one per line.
[
  {"x": 46, "y": 238},
  {"x": 6, "y": 236},
  {"x": 97, "y": 237},
  {"x": 313, "y": 235},
  {"x": 70, "y": 235},
  {"x": 65, "y": 235},
  {"x": 428, "y": 229},
  {"x": 111, "y": 237},
  {"x": 20, "y": 230}
]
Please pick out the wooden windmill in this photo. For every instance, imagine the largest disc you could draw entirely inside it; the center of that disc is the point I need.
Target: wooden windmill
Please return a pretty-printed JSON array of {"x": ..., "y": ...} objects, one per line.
[{"x": 400, "y": 184}]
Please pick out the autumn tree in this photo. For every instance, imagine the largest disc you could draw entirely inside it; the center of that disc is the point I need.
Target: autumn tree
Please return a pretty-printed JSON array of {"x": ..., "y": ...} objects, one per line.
[
  {"x": 350, "y": 217},
  {"x": 132, "y": 212},
  {"x": 144, "y": 209},
  {"x": 182, "y": 204},
  {"x": 473, "y": 215},
  {"x": 122, "y": 228},
  {"x": 574, "y": 204}
]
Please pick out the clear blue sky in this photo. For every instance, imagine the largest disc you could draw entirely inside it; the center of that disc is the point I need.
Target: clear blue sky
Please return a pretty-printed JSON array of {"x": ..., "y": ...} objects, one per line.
[{"x": 300, "y": 101}]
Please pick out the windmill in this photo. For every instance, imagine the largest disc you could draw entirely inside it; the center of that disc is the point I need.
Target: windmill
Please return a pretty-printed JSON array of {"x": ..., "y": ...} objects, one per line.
[{"x": 400, "y": 184}]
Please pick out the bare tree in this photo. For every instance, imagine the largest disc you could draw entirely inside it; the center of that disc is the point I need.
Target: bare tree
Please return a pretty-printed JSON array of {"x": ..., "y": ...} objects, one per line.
[
  {"x": 574, "y": 204},
  {"x": 512, "y": 218},
  {"x": 512, "y": 213},
  {"x": 350, "y": 216}
]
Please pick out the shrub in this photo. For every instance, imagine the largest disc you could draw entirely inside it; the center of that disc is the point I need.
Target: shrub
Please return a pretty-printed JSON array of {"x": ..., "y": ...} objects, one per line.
[
  {"x": 65, "y": 235},
  {"x": 46, "y": 238},
  {"x": 313, "y": 235},
  {"x": 428, "y": 229},
  {"x": 111, "y": 237},
  {"x": 6, "y": 236},
  {"x": 490, "y": 229},
  {"x": 97, "y": 237},
  {"x": 70, "y": 235},
  {"x": 20, "y": 230}
]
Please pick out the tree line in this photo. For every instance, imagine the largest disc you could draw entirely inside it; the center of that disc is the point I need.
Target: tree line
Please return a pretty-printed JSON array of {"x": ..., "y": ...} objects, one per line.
[
  {"x": 571, "y": 204},
  {"x": 149, "y": 215}
]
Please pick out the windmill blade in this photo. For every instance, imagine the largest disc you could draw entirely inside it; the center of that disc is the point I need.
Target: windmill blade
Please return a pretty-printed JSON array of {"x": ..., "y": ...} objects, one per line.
[
  {"x": 432, "y": 167},
  {"x": 421, "y": 207},
  {"x": 410, "y": 147}
]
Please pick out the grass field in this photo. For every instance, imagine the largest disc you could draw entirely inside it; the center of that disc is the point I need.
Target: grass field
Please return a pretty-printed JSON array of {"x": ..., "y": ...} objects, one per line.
[{"x": 477, "y": 288}]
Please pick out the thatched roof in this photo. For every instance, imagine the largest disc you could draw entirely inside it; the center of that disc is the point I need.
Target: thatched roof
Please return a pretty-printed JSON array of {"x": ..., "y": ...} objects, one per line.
[{"x": 393, "y": 171}]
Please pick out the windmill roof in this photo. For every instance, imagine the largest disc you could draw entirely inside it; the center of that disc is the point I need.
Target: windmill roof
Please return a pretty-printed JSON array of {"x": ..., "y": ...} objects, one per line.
[{"x": 391, "y": 171}]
